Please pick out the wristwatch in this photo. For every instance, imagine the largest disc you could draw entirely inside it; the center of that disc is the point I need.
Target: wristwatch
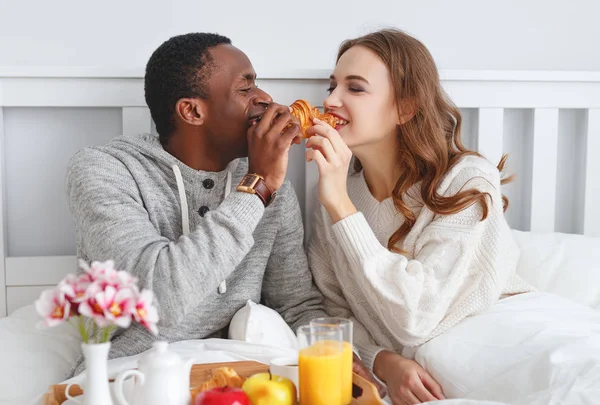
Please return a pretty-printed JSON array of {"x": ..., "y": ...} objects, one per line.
[{"x": 255, "y": 184}]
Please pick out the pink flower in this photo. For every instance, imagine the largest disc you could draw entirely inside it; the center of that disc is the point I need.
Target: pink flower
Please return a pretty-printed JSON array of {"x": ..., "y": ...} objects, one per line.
[
  {"x": 106, "y": 274},
  {"x": 105, "y": 295},
  {"x": 53, "y": 307},
  {"x": 75, "y": 288},
  {"x": 123, "y": 279},
  {"x": 146, "y": 313},
  {"x": 99, "y": 270},
  {"x": 109, "y": 306}
]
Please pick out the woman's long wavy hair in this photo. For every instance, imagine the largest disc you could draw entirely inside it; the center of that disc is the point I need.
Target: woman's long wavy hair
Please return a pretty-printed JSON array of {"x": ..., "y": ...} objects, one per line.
[{"x": 429, "y": 144}]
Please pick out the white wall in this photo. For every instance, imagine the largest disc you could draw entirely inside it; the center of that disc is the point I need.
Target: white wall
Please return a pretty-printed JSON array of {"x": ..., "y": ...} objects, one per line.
[
  {"x": 44, "y": 119},
  {"x": 461, "y": 34}
]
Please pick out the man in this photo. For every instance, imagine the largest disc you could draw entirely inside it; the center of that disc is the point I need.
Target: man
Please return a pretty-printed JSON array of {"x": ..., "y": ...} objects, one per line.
[{"x": 205, "y": 230}]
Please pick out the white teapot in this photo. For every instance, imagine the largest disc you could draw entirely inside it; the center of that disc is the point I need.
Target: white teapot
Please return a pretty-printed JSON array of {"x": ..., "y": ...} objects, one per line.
[{"x": 162, "y": 379}]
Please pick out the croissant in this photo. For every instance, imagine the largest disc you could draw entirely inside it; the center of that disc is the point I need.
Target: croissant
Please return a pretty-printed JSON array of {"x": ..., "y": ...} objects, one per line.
[
  {"x": 222, "y": 377},
  {"x": 305, "y": 112}
]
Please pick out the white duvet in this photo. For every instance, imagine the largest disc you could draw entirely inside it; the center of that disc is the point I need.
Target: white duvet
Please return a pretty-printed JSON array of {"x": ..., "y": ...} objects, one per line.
[{"x": 529, "y": 349}]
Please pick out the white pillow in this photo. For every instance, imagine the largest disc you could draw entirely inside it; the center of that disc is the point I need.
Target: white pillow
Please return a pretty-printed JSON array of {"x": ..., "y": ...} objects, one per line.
[
  {"x": 528, "y": 349},
  {"x": 257, "y": 323},
  {"x": 34, "y": 358},
  {"x": 563, "y": 264}
]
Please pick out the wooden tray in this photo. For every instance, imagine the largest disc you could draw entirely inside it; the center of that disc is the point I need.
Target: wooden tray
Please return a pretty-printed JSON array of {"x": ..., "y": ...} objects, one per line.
[{"x": 364, "y": 392}]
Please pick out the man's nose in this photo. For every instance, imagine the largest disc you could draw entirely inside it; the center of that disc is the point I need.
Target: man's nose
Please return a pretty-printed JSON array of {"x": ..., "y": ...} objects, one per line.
[{"x": 263, "y": 98}]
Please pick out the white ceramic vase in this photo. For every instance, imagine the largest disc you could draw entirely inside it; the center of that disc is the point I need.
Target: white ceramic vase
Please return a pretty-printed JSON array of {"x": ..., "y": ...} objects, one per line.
[{"x": 95, "y": 386}]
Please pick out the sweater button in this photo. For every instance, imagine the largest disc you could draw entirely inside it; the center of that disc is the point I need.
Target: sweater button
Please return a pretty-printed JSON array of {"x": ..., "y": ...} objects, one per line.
[
  {"x": 208, "y": 183},
  {"x": 203, "y": 210}
]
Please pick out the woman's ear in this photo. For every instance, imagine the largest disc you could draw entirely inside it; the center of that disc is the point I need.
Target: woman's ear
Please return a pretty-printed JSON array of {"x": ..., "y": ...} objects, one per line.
[
  {"x": 192, "y": 111},
  {"x": 407, "y": 110}
]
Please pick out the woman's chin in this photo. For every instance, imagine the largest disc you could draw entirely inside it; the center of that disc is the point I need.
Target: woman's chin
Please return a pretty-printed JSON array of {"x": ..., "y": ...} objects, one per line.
[
  {"x": 344, "y": 133},
  {"x": 349, "y": 139}
]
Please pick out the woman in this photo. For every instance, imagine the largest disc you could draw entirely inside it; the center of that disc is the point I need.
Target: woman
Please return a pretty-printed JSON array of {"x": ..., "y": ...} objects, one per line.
[{"x": 413, "y": 239}]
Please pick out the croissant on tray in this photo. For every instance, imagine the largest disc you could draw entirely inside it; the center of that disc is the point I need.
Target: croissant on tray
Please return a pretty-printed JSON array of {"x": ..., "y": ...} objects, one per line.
[
  {"x": 305, "y": 112},
  {"x": 222, "y": 377}
]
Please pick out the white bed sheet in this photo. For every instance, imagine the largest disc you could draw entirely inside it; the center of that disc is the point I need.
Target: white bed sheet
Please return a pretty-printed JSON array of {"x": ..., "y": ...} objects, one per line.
[
  {"x": 529, "y": 349},
  {"x": 33, "y": 359}
]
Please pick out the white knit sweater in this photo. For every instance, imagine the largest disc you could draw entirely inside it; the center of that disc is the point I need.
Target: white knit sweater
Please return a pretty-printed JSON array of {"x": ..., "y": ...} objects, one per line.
[{"x": 456, "y": 265}]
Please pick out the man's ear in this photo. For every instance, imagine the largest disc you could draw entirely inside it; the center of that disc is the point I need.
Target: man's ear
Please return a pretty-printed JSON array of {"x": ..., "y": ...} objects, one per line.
[
  {"x": 192, "y": 111},
  {"x": 406, "y": 110}
]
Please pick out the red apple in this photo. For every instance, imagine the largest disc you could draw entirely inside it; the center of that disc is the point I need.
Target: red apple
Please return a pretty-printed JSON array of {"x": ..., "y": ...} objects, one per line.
[{"x": 222, "y": 396}]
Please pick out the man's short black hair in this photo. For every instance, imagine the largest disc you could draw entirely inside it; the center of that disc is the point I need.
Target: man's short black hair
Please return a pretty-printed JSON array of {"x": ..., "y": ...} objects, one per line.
[{"x": 178, "y": 68}]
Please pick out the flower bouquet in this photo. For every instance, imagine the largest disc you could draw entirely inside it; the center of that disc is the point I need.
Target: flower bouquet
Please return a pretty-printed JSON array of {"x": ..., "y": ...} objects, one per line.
[{"x": 97, "y": 302}]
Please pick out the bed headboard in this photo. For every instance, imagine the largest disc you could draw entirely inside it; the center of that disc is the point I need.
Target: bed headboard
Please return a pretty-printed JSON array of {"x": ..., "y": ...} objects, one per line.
[{"x": 548, "y": 122}]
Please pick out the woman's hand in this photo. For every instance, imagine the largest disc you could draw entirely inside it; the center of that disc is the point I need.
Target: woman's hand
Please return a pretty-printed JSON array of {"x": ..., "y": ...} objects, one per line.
[
  {"x": 407, "y": 382},
  {"x": 333, "y": 157}
]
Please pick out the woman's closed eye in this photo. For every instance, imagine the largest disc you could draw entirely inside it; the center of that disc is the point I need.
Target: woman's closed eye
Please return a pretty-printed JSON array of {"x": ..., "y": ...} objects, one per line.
[
  {"x": 355, "y": 89},
  {"x": 352, "y": 89}
]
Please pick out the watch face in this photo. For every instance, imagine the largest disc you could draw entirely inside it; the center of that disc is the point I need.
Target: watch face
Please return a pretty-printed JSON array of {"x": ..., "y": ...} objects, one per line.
[{"x": 247, "y": 181}]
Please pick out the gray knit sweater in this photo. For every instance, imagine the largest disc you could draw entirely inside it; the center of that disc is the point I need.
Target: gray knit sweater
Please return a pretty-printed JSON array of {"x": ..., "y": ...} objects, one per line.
[{"x": 125, "y": 201}]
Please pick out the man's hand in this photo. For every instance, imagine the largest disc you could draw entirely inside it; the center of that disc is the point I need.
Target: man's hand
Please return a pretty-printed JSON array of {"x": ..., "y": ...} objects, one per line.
[
  {"x": 359, "y": 368},
  {"x": 269, "y": 142}
]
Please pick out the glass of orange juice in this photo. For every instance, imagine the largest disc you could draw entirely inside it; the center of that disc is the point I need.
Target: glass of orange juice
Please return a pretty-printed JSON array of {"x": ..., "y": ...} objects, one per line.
[
  {"x": 320, "y": 365},
  {"x": 347, "y": 328}
]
